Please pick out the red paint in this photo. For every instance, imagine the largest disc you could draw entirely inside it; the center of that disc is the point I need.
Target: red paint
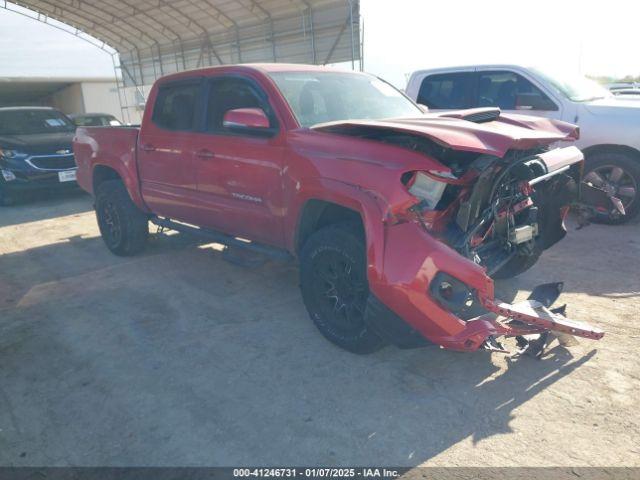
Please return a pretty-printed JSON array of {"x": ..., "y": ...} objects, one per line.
[
  {"x": 257, "y": 187},
  {"x": 248, "y": 117},
  {"x": 495, "y": 138}
]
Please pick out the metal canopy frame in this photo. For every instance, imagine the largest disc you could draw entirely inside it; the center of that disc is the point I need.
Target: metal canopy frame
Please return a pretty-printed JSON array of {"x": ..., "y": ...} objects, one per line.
[{"x": 151, "y": 38}]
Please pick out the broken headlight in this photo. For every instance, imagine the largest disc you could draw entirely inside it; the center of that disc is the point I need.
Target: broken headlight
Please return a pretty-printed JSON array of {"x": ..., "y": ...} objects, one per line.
[{"x": 426, "y": 188}]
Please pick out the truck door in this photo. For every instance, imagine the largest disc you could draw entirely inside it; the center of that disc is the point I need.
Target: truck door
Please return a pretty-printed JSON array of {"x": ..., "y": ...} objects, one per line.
[
  {"x": 513, "y": 93},
  {"x": 239, "y": 171},
  {"x": 165, "y": 153},
  {"x": 448, "y": 91}
]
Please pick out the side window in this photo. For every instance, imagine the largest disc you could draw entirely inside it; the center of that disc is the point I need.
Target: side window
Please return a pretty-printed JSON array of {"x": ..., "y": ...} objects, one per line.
[
  {"x": 510, "y": 91},
  {"x": 233, "y": 93},
  {"x": 447, "y": 90},
  {"x": 175, "y": 107}
]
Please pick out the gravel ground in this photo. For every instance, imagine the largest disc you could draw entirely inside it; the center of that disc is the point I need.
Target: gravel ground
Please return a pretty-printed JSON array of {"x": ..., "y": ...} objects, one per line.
[{"x": 177, "y": 357}]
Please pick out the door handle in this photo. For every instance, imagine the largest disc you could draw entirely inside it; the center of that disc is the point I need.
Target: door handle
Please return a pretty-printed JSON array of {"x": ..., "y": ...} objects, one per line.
[
  {"x": 205, "y": 154},
  {"x": 147, "y": 147}
]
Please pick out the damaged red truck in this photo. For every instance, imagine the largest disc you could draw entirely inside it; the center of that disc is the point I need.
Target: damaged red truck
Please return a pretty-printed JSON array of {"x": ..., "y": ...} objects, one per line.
[{"x": 399, "y": 218}]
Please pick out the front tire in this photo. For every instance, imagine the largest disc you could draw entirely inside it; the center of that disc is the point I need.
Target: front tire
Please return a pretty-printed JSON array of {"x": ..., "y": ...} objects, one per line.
[
  {"x": 619, "y": 175},
  {"x": 333, "y": 281},
  {"x": 124, "y": 228},
  {"x": 517, "y": 265}
]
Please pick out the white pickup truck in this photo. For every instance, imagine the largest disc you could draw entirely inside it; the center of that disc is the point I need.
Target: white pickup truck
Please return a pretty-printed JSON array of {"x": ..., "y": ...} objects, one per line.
[{"x": 609, "y": 125}]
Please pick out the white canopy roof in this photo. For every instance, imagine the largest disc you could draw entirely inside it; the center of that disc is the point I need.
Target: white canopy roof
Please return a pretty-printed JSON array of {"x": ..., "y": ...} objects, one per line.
[{"x": 156, "y": 37}]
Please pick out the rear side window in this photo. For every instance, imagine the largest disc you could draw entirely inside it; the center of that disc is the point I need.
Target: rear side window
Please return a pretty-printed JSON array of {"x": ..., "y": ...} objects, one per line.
[
  {"x": 510, "y": 91},
  {"x": 447, "y": 90},
  {"x": 175, "y": 107}
]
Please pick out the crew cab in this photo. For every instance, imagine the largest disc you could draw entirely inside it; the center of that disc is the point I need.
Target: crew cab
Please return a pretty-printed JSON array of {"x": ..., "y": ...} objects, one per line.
[
  {"x": 399, "y": 219},
  {"x": 35, "y": 151},
  {"x": 609, "y": 125}
]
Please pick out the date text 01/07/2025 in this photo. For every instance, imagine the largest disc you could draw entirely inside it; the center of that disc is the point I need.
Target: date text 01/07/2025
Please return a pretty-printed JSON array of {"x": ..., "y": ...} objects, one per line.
[{"x": 369, "y": 472}]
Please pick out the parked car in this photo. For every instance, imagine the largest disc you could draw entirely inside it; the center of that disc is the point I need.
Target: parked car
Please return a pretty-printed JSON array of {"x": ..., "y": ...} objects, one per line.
[
  {"x": 622, "y": 86},
  {"x": 627, "y": 93},
  {"x": 609, "y": 127},
  {"x": 95, "y": 120},
  {"x": 35, "y": 150},
  {"x": 397, "y": 224}
]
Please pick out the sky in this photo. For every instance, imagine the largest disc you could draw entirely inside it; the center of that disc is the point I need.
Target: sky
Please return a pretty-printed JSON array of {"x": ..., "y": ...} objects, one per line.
[
  {"x": 402, "y": 36},
  {"x": 32, "y": 48}
]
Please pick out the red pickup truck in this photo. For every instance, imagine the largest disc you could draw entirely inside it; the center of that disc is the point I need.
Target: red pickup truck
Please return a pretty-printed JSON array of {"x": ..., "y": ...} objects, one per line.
[{"x": 399, "y": 218}]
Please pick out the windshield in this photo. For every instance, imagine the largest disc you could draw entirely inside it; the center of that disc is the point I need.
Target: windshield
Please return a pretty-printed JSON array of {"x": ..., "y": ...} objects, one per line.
[
  {"x": 29, "y": 122},
  {"x": 318, "y": 97},
  {"x": 575, "y": 87}
]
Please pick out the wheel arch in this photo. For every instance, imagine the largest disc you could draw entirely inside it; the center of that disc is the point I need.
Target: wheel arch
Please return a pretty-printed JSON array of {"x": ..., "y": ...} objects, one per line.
[
  {"x": 333, "y": 202},
  {"x": 317, "y": 213},
  {"x": 611, "y": 148},
  {"x": 102, "y": 173}
]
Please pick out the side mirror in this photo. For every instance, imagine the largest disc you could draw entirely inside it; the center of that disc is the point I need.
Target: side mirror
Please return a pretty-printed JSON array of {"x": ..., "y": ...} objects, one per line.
[{"x": 245, "y": 119}]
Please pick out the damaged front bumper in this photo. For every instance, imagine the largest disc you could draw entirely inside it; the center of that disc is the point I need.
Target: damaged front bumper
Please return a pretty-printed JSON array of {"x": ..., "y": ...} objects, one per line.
[
  {"x": 533, "y": 321},
  {"x": 406, "y": 308}
]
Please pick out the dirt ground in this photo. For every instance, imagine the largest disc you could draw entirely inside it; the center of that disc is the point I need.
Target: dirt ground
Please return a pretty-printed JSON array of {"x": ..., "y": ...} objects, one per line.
[{"x": 177, "y": 357}]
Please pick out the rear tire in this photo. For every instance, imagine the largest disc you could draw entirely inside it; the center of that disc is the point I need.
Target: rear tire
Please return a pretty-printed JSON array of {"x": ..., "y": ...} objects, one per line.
[
  {"x": 124, "y": 228},
  {"x": 333, "y": 281},
  {"x": 607, "y": 167}
]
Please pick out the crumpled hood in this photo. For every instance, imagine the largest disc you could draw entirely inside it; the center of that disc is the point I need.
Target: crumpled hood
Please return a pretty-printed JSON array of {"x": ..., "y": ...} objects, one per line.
[
  {"x": 455, "y": 130},
  {"x": 614, "y": 107}
]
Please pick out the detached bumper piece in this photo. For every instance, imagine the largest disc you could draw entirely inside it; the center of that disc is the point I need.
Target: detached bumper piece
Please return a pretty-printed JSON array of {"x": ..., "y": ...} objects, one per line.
[
  {"x": 535, "y": 314},
  {"x": 535, "y": 324},
  {"x": 595, "y": 200}
]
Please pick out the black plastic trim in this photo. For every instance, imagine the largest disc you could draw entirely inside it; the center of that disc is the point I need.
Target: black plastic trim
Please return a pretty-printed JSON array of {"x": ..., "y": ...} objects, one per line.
[{"x": 390, "y": 326}]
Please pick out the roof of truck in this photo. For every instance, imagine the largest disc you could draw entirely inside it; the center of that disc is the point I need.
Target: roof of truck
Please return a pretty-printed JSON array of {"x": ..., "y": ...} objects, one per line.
[
  {"x": 258, "y": 67},
  {"x": 457, "y": 68}
]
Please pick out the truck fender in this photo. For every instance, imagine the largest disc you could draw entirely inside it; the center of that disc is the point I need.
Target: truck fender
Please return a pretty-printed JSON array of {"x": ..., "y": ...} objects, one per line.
[
  {"x": 113, "y": 159},
  {"x": 370, "y": 207},
  {"x": 109, "y": 171}
]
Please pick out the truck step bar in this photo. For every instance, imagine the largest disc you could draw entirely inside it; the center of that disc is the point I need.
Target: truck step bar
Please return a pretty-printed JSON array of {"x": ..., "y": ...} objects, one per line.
[{"x": 224, "y": 239}]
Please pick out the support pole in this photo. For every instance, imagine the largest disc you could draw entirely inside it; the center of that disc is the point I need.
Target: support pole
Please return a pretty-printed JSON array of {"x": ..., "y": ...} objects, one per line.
[
  {"x": 353, "y": 47},
  {"x": 313, "y": 36},
  {"x": 273, "y": 39},
  {"x": 119, "y": 88}
]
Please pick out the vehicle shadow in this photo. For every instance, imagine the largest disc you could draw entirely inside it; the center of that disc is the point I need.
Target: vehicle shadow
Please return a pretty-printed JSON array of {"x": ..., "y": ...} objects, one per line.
[
  {"x": 471, "y": 396},
  {"x": 37, "y": 206},
  {"x": 586, "y": 263},
  {"x": 223, "y": 356},
  {"x": 22, "y": 271}
]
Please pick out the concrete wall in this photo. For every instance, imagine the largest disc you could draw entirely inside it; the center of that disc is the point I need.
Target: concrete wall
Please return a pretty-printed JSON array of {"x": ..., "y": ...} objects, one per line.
[
  {"x": 101, "y": 97},
  {"x": 73, "y": 96},
  {"x": 69, "y": 99}
]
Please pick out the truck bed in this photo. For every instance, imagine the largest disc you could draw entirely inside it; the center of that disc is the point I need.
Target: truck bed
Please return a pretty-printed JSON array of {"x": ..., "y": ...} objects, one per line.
[{"x": 110, "y": 147}]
